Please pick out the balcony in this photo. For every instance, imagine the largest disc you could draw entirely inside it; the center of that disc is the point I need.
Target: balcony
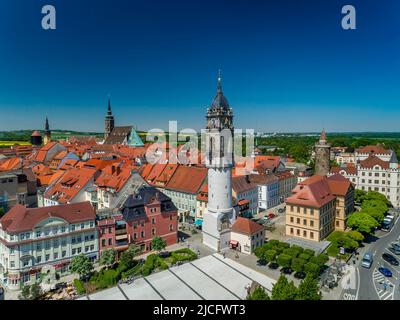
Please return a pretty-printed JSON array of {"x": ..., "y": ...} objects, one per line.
[{"x": 120, "y": 231}]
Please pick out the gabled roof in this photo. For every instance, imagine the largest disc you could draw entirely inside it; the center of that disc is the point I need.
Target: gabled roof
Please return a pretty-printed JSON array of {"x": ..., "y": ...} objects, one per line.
[
  {"x": 372, "y": 161},
  {"x": 187, "y": 179},
  {"x": 339, "y": 185},
  {"x": 242, "y": 184},
  {"x": 20, "y": 218},
  {"x": 71, "y": 183},
  {"x": 10, "y": 164},
  {"x": 118, "y": 135},
  {"x": 348, "y": 170},
  {"x": 246, "y": 226},
  {"x": 113, "y": 177},
  {"x": 313, "y": 192},
  {"x": 373, "y": 150}
]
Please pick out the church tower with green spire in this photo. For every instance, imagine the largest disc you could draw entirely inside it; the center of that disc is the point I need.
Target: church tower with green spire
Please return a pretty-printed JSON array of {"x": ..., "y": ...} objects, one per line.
[{"x": 109, "y": 121}]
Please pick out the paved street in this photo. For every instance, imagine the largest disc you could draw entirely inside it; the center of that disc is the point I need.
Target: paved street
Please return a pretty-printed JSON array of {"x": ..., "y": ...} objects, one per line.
[{"x": 370, "y": 284}]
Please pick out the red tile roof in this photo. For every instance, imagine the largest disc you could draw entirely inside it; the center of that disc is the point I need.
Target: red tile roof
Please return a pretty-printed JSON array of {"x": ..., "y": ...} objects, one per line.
[
  {"x": 10, "y": 164},
  {"x": 349, "y": 170},
  {"x": 373, "y": 150},
  {"x": 339, "y": 185},
  {"x": 20, "y": 218},
  {"x": 246, "y": 226},
  {"x": 313, "y": 192},
  {"x": 372, "y": 161},
  {"x": 113, "y": 177},
  {"x": 187, "y": 179},
  {"x": 70, "y": 184},
  {"x": 242, "y": 184}
]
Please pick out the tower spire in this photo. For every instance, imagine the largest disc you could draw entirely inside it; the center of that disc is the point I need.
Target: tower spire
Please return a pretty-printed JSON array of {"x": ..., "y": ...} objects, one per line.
[
  {"x": 46, "y": 126},
  {"x": 219, "y": 86},
  {"x": 109, "y": 106}
]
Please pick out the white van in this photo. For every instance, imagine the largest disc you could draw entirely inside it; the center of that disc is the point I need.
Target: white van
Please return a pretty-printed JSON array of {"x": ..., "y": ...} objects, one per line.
[{"x": 367, "y": 260}]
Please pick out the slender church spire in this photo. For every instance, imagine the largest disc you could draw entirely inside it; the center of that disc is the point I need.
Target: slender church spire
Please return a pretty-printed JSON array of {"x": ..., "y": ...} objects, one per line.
[
  {"x": 219, "y": 86},
  {"x": 109, "y": 120}
]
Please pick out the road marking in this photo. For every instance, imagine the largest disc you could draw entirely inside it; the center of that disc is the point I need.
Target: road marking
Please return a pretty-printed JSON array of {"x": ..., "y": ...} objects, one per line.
[{"x": 358, "y": 283}]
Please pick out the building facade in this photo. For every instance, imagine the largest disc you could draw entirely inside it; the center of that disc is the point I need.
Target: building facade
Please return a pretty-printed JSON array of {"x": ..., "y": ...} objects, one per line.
[{"x": 31, "y": 239}]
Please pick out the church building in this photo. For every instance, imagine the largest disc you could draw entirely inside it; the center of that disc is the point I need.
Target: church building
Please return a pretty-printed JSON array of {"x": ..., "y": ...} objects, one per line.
[{"x": 125, "y": 135}]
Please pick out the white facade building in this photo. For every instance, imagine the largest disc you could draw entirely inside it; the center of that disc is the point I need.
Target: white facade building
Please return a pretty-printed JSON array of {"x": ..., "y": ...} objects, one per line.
[
  {"x": 219, "y": 160},
  {"x": 377, "y": 172}
]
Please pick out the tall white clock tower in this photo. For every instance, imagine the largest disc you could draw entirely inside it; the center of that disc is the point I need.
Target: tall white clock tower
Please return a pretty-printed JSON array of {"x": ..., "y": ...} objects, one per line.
[{"x": 219, "y": 161}]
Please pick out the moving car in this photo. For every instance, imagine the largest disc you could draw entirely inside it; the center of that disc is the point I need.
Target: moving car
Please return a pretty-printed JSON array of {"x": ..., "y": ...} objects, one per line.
[
  {"x": 387, "y": 223},
  {"x": 367, "y": 260},
  {"x": 389, "y": 258},
  {"x": 385, "y": 271}
]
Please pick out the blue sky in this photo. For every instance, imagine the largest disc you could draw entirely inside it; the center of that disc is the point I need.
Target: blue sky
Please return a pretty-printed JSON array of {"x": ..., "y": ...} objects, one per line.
[{"x": 287, "y": 65}]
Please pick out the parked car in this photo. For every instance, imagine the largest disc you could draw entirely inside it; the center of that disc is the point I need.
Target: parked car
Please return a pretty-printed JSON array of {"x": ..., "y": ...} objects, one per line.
[
  {"x": 271, "y": 215},
  {"x": 262, "y": 262},
  {"x": 395, "y": 245},
  {"x": 394, "y": 251},
  {"x": 367, "y": 260},
  {"x": 273, "y": 265},
  {"x": 286, "y": 270},
  {"x": 281, "y": 210},
  {"x": 389, "y": 258},
  {"x": 300, "y": 275},
  {"x": 385, "y": 271}
]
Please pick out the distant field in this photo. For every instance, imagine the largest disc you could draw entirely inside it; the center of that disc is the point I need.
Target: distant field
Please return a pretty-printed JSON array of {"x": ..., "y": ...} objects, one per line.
[{"x": 7, "y": 144}]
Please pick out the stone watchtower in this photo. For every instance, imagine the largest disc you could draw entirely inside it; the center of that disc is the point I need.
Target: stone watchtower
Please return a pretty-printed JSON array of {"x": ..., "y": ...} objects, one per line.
[
  {"x": 109, "y": 121},
  {"x": 322, "y": 155}
]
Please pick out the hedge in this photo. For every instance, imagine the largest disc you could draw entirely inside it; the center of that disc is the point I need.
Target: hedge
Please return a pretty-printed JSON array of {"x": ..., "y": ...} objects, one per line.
[
  {"x": 284, "y": 260},
  {"x": 105, "y": 278},
  {"x": 80, "y": 289}
]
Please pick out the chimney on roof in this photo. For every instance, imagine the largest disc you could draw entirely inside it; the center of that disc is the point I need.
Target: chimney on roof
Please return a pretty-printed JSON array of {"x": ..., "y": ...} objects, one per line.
[
  {"x": 247, "y": 178},
  {"x": 112, "y": 169}
]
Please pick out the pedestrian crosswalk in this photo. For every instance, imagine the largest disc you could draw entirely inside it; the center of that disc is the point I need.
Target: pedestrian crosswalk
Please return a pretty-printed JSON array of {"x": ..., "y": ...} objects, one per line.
[{"x": 383, "y": 287}]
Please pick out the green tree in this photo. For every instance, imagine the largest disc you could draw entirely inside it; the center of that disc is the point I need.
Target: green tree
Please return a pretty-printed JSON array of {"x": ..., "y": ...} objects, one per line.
[
  {"x": 107, "y": 257},
  {"x": 308, "y": 289},
  {"x": 355, "y": 235},
  {"x": 134, "y": 249},
  {"x": 373, "y": 195},
  {"x": 258, "y": 294},
  {"x": 359, "y": 195},
  {"x": 312, "y": 268},
  {"x": 362, "y": 222},
  {"x": 81, "y": 265},
  {"x": 25, "y": 292},
  {"x": 270, "y": 255},
  {"x": 36, "y": 291},
  {"x": 284, "y": 290},
  {"x": 2, "y": 212},
  {"x": 284, "y": 260},
  {"x": 158, "y": 244},
  {"x": 298, "y": 264}
]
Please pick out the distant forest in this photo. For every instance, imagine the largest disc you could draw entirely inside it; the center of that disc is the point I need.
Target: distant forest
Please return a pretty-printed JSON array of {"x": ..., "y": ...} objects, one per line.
[{"x": 300, "y": 146}]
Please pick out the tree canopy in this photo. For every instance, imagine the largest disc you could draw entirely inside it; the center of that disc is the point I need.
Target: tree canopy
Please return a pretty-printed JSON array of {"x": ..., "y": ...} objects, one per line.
[
  {"x": 81, "y": 265},
  {"x": 107, "y": 257},
  {"x": 362, "y": 222},
  {"x": 258, "y": 294},
  {"x": 308, "y": 289},
  {"x": 158, "y": 244}
]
